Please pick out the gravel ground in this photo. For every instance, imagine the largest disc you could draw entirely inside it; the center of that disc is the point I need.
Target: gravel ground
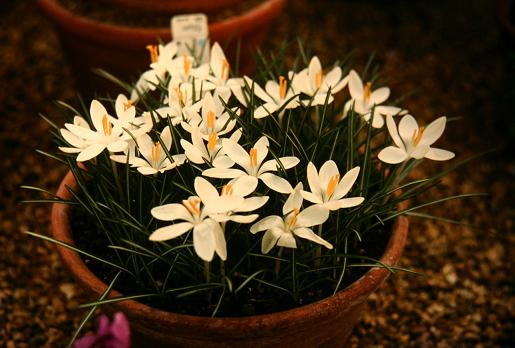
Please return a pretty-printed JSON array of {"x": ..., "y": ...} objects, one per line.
[{"x": 455, "y": 58}]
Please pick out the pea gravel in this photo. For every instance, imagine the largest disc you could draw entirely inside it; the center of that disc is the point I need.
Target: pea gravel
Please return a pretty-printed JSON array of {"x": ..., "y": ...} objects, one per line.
[{"x": 455, "y": 58}]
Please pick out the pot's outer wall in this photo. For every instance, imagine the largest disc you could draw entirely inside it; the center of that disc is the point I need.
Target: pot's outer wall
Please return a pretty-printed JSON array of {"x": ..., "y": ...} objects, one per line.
[
  {"x": 120, "y": 50},
  {"x": 326, "y": 323}
]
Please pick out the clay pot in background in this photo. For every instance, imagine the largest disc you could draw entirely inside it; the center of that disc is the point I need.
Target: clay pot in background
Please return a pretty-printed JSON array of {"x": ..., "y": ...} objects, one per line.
[
  {"x": 325, "y": 323},
  {"x": 175, "y": 6},
  {"x": 120, "y": 50}
]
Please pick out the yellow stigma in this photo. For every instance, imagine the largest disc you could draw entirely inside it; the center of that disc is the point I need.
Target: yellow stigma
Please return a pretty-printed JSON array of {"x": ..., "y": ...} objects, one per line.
[
  {"x": 415, "y": 138},
  {"x": 318, "y": 79},
  {"x": 213, "y": 137},
  {"x": 293, "y": 218},
  {"x": 227, "y": 190},
  {"x": 107, "y": 126},
  {"x": 180, "y": 96},
  {"x": 186, "y": 64},
  {"x": 253, "y": 157},
  {"x": 367, "y": 91},
  {"x": 127, "y": 106},
  {"x": 282, "y": 87},
  {"x": 210, "y": 119},
  {"x": 155, "y": 152},
  {"x": 193, "y": 205},
  {"x": 331, "y": 186},
  {"x": 154, "y": 52},
  {"x": 225, "y": 70}
]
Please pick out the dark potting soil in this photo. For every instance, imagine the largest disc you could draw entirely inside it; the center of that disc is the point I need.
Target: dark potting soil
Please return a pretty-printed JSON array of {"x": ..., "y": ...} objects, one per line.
[
  {"x": 252, "y": 300},
  {"x": 103, "y": 11}
]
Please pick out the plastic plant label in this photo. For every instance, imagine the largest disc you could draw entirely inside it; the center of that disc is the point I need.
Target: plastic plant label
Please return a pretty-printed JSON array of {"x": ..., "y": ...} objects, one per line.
[{"x": 191, "y": 33}]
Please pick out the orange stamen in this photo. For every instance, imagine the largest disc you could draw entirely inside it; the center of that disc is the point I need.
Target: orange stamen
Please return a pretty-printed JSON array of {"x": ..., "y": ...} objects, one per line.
[
  {"x": 127, "y": 106},
  {"x": 155, "y": 152},
  {"x": 107, "y": 126},
  {"x": 417, "y": 136},
  {"x": 186, "y": 64},
  {"x": 293, "y": 219},
  {"x": 282, "y": 87},
  {"x": 367, "y": 90},
  {"x": 253, "y": 157},
  {"x": 331, "y": 186},
  {"x": 193, "y": 205},
  {"x": 318, "y": 79},
  {"x": 212, "y": 141},
  {"x": 225, "y": 70},
  {"x": 227, "y": 190},
  {"x": 154, "y": 52},
  {"x": 210, "y": 119}
]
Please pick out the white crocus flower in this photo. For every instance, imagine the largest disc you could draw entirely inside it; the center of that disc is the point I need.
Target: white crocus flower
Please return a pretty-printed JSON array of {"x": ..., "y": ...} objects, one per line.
[
  {"x": 277, "y": 96},
  {"x": 182, "y": 69},
  {"x": 215, "y": 118},
  {"x": 219, "y": 78},
  {"x": 161, "y": 57},
  {"x": 364, "y": 100},
  {"x": 253, "y": 166},
  {"x": 414, "y": 142},
  {"x": 181, "y": 105},
  {"x": 294, "y": 223},
  {"x": 154, "y": 159},
  {"x": 107, "y": 135},
  {"x": 238, "y": 188},
  {"x": 312, "y": 82},
  {"x": 197, "y": 151},
  {"x": 208, "y": 235},
  {"x": 127, "y": 120},
  {"x": 78, "y": 144},
  {"x": 327, "y": 190}
]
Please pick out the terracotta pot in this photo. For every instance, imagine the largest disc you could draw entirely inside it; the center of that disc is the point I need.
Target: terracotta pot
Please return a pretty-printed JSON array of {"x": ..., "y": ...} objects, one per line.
[
  {"x": 121, "y": 50},
  {"x": 326, "y": 323},
  {"x": 175, "y": 6}
]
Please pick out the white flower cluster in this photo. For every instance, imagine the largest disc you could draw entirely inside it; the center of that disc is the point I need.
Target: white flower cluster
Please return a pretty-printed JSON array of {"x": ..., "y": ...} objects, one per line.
[{"x": 196, "y": 102}]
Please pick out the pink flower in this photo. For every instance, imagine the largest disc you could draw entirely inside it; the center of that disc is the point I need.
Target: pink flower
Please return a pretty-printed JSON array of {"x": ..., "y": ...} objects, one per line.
[{"x": 109, "y": 335}]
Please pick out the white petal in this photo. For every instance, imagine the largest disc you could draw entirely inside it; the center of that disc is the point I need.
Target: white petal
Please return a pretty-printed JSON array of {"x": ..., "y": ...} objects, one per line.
[
  {"x": 343, "y": 203},
  {"x": 97, "y": 112},
  {"x": 236, "y": 153},
  {"x": 313, "y": 180},
  {"x": 379, "y": 95},
  {"x": 419, "y": 151},
  {"x": 355, "y": 86},
  {"x": 407, "y": 127},
  {"x": 392, "y": 155},
  {"x": 276, "y": 183},
  {"x": 90, "y": 152},
  {"x": 308, "y": 234},
  {"x": 270, "y": 239},
  {"x": 223, "y": 204},
  {"x": 433, "y": 131},
  {"x": 294, "y": 201},
  {"x": 262, "y": 149},
  {"x": 223, "y": 173},
  {"x": 117, "y": 146},
  {"x": 309, "y": 196},
  {"x": 205, "y": 190},
  {"x": 243, "y": 219},
  {"x": 252, "y": 203},
  {"x": 328, "y": 170},
  {"x": 244, "y": 186},
  {"x": 147, "y": 170},
  {"x": 287, "y": 240},
  {"x": 439, "y": 154},
  {"x": 346, "y": 183},
  {"x": 204, "y": 241},
  {"x": 392, "y": 129},
  {"x": 220, "y": 243},
  {"x": 313, "y": 215},
  {"x": 170, "y": 232},
  {"x": 266, "y": 224},
  {"x": 378, "y": 121},
  {"x": 193, "y": 153},
  {"x": 223, "y": 162},
  {"x": 273, "y": 165},
  {"x": 170, "y": 212},
  {"x": 265, "y": 110}
]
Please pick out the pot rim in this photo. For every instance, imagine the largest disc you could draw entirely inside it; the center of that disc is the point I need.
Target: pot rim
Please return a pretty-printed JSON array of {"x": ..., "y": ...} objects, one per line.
[
  {"x": 131, "y": 37},
  {"x": 354, "y": 294}
]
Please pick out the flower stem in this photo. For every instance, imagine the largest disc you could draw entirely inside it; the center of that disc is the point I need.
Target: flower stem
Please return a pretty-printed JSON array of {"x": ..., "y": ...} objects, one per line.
[
  {"x": 207, "y": 273},
  {"x": 318, "y": 250},
  {"x": 278, "y": 262}
]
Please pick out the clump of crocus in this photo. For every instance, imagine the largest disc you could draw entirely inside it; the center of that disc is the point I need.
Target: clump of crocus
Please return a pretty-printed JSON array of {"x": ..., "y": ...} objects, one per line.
[{"x": 114, "y": 334}]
